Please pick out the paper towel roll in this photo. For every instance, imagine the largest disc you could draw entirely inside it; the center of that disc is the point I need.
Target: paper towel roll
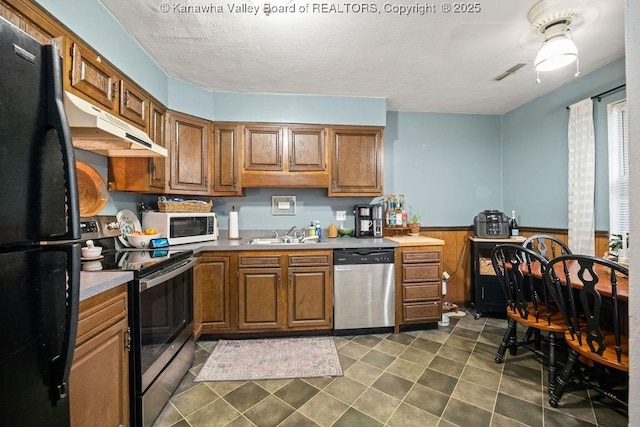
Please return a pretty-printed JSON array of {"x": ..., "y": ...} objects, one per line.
[{"x": 233, "y": 225}]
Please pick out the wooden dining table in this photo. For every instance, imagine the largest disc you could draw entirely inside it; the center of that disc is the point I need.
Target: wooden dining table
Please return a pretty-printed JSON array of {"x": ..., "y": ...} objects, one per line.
[{"x": 604, "y": 278}]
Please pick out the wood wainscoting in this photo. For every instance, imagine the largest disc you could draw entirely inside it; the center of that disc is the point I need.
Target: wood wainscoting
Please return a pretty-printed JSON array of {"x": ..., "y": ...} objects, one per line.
[{"x": 456, "y": 255}]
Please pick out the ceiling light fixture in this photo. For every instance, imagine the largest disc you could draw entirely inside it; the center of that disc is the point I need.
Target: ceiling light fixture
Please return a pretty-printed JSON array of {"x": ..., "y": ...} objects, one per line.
[{"x": 551, "y": 19}]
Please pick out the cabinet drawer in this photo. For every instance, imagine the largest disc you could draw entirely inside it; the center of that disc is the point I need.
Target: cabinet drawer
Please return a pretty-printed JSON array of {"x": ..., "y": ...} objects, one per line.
[
  {"x": 420, "y": 272},
  {"x": 245, "y": 261},
  {"x": 100, "y": 312},
  {"x": 310, "y": 260},
  {"x": 420, "y": 291},
  {"x": 410, "y": 257},
  {"x": 424, "y": 311}
]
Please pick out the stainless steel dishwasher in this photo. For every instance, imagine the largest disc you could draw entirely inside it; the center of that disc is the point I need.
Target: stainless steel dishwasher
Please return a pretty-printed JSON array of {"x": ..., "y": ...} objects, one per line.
[{"x": 363, "y": 288}]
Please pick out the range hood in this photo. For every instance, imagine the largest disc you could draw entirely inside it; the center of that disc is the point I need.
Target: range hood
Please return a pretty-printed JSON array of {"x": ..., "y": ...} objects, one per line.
[{"x": 93, "y": 129}]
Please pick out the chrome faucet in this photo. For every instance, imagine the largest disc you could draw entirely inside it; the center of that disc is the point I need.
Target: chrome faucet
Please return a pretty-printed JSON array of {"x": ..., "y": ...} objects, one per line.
[{"x": 291, "y": 229}]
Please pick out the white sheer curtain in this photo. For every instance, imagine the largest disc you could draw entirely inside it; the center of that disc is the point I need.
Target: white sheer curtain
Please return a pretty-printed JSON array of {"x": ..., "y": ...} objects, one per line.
[{"x": 581, "y": 178}]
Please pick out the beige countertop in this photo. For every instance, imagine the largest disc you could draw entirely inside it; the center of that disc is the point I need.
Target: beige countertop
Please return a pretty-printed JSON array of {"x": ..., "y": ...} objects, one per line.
[{"x": 416, "y": 241}]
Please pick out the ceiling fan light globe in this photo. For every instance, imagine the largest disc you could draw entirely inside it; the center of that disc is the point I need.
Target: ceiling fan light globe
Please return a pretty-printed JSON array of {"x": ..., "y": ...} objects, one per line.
[{"x": 556, "y": 53}]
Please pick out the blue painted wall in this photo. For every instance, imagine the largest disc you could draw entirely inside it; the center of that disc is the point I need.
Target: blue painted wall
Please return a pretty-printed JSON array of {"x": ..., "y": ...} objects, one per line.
[
  {"x": 535, "y": 154},
  {"x": 448, "y": 166},
  {"x": 262, "y": 107}
]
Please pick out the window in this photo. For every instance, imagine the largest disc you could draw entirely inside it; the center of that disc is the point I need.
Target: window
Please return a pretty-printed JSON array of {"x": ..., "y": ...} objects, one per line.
[{"x": 618, "y": 168}]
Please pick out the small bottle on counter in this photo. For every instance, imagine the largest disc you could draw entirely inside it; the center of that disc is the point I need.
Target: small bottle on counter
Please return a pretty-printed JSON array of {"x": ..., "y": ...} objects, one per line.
[
  {"x": 513, "y": 224},
  {"x": 318, "y": 229},
  {"x": 312, "y": 229}
]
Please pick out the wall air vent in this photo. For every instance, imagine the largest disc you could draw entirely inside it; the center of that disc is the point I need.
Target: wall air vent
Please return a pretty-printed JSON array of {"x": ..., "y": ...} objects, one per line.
[{"x": 510, "y": 71}]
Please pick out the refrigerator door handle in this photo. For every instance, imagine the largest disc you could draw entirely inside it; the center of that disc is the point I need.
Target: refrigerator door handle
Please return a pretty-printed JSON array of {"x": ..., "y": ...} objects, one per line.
[
  {"x": 60, "y": 366},
  {"x": 57, "y": 119}
]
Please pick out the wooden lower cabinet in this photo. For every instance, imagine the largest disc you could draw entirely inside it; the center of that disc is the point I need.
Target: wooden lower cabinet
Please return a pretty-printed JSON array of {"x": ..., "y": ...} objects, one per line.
[
  {"x": 310, "y": 290},
  {"x": 263, "y": 291},
  {"x": 212, "y": 287},
  {"x": 260, "y": 299},
  {"x": 418, "y": 285},
  {"x": 99, "y": 379}
]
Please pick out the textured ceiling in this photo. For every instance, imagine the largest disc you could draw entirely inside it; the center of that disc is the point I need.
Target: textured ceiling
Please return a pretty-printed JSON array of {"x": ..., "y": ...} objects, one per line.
[{"x": 434, "y": 62}]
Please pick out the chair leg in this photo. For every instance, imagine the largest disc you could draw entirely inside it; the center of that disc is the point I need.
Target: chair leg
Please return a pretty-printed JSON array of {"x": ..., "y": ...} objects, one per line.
[
  {"x": 552, "y": 362},
  {"x": 513, "y": 340},
  {"x": 563, "y": 381},
  {"x": 506, "y": 339},
  {"x": 538, "y": 340}
]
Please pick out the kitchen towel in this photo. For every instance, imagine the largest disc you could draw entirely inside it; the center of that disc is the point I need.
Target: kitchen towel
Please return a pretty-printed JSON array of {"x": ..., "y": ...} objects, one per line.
[{"x": 233, "y": 225}]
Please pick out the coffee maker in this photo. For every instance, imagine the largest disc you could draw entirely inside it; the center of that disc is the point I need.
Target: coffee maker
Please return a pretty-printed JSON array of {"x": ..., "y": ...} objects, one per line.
[{"x": 369, "y": 220}]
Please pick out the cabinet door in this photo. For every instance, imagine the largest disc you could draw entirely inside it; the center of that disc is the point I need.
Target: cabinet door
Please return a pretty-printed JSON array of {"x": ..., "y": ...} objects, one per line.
[
  {"x": 157, "y": 165},
  {"x": 263, "y": 148},
  {"x": 189, "y": 154},
  {"x": 31, "y": 20},
  {"x": 307, "y": 149},
  {"x": 356, "y": 162},
  {"x": 212, "y": 300},
  {"x": 134, "y": 104},
  {"x": 99, "y": 380},
  {"x": 310, "y": 299},
  {"x": 260, "y": 301},
  {"x": 92, "y": 77},
  {"x": 226, "y": 160}
]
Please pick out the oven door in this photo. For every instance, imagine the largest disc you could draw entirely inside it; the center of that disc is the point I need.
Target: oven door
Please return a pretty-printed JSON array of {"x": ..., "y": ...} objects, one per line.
[{"x": 164, "y": 319}]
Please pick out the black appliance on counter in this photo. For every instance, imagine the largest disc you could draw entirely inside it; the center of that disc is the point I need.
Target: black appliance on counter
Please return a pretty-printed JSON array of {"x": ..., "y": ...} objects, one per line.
[
  {"x": 369, "y": 220},
  {"x": 160, "y": 314},
  {"x": 39, "y": 251},
  {"x": 491, "y": 224}
]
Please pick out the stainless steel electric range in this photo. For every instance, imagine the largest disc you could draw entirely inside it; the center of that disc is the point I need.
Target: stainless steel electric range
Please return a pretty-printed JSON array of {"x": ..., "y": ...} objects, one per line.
[{"x": 160, "y": 314}]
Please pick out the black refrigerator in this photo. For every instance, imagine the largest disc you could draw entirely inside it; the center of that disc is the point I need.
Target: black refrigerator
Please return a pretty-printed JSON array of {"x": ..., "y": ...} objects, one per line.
[{"x": 39, "y": 232}]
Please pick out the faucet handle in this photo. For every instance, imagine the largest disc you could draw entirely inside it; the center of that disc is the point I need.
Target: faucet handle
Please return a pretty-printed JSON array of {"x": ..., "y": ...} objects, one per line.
[{"x": 274, "y": 234}]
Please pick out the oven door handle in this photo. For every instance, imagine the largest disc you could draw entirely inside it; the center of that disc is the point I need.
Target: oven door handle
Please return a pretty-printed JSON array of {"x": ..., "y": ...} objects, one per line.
[{"x": 164, "y": 275}]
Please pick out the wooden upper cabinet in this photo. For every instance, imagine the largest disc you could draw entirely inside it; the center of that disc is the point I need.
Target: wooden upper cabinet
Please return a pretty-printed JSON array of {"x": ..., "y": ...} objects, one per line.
[
  {"x": 263, "y": 148},
  {"x": 26, "y": 16},
  {"x": 92, "y": 77},
  {"x": 134, "y": 105},
  {"x": 189, "y": 154},
  {"x": 226, "y": 159},
  {"x": 356, "y": 161},
  {"x": 157, "y": 133},
  {"x": 284, "y": 156},
  {"x": 307, "y": 149}
]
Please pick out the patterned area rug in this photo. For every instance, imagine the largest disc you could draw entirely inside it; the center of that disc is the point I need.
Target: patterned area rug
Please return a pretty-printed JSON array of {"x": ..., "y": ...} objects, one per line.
[{"x": 266, "y": 359}]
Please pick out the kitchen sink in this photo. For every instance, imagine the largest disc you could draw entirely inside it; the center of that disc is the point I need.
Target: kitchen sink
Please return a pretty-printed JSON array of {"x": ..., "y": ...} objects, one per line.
[{"x": 283, "y": 241}]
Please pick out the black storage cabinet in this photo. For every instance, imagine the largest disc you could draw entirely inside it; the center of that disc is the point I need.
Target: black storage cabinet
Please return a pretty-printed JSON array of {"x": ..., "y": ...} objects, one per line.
[{"x": 486, "y": 294}]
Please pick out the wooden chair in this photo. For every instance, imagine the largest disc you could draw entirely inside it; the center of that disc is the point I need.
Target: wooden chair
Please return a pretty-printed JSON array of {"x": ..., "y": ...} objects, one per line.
[
  {"x": 547, "y": 246},
  {"x": 596, "y": 325},
  {"x": 529, "y": 303}
]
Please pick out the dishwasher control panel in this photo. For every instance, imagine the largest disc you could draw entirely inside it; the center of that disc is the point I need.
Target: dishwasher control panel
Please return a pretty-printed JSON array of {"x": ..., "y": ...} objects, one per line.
[{"x": 363, "y": 256}]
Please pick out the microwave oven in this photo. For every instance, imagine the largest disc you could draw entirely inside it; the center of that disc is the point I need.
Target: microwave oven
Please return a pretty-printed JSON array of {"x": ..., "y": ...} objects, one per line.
[{"x": 181, "y": 227}]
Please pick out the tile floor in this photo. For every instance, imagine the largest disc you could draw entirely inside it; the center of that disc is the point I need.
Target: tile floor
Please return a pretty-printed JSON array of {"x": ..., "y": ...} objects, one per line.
[{"x": 436, "y": 377}]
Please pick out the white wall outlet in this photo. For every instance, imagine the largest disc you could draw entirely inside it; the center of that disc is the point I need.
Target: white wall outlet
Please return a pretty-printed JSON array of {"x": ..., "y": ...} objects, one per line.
[{"x": 341, "y": 215}]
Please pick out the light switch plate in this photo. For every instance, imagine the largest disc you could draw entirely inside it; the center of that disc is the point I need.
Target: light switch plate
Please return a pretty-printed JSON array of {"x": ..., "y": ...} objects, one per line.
[{"x": 341, "y": 215}]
